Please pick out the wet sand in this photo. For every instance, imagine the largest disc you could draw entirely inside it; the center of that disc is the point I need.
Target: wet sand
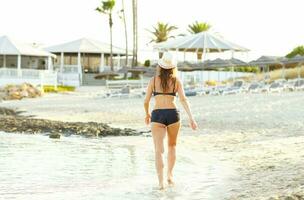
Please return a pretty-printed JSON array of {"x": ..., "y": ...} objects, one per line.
[{"x": 260, "y": 137}]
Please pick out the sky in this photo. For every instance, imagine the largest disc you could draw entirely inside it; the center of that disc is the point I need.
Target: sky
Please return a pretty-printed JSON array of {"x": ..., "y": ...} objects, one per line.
[{"x": 266, "y": 27}]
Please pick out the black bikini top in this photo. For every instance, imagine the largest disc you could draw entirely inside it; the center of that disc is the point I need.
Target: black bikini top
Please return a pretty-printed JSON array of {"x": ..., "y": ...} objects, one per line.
[{"x": 164, "y": 93}]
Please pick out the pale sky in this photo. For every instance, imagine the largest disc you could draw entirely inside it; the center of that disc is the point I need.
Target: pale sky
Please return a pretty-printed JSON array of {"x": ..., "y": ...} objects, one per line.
[{"x": 266, "y": 27}]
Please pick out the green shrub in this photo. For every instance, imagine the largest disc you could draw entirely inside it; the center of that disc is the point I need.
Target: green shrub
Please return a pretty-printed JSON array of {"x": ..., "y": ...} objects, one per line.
[
  {"x": 248, "y": 69},
  {"x": 255, "y": 69},
  {"x": 147, "y": 63},
  {"x": 60, "y": 88}
]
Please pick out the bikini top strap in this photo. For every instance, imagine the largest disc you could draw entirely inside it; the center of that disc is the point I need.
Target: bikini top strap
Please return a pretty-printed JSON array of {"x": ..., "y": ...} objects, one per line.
[
  {"x": 174, "y": 85},
  {"x": 154, "y": 82}
]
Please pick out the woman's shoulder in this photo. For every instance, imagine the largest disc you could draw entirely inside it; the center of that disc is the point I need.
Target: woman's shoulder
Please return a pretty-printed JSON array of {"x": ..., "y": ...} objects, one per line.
[
  {"x": 151, "y": 81},
  {"x": 178, "y": 81}
]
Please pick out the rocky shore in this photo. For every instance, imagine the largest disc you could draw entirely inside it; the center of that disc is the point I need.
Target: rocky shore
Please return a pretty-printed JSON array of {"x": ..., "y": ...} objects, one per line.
[
  {"x": 11, "y": 121},
  {"x": 18, "y": 92}
]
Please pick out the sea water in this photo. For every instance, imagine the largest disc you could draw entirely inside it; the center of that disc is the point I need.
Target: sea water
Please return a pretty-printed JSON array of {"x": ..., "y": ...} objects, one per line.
[{"x": 37, "y": 167}]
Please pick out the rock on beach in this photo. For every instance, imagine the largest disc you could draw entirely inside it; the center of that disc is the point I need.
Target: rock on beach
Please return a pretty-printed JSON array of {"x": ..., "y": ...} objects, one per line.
[
  {"x": 18, "y": 92},
  {"x": 11, "y": 121}
]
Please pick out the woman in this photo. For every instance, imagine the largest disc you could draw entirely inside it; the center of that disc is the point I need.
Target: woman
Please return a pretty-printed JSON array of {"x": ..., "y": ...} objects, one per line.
[{"x": 165, "y": 117}]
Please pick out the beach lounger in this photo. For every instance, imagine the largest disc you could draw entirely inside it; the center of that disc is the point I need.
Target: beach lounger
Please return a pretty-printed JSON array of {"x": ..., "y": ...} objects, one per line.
[
  {"x": 254, "y": 88},
  {"x": 276, "y": 87},
  {"x": 299, "y": 84}
]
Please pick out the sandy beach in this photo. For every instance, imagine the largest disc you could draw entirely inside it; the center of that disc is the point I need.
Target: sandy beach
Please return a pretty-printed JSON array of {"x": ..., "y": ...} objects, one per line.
[{"x": 259, "y": 136}]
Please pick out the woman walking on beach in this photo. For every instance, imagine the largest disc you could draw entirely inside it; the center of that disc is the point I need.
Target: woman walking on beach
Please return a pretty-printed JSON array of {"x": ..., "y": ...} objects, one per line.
[{"x": 165, "y": 117}]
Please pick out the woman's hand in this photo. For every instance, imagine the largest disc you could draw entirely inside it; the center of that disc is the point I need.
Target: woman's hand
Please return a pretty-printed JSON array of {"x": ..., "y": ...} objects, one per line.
[
  {"x": 148, "y": 119},
  {"x": 193, "y": 124}
]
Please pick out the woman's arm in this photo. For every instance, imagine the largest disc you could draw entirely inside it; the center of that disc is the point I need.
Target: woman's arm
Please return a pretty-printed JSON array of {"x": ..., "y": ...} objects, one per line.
[
  {"x": 147, "y": 101},
  {"x": 184, "y": 101}
]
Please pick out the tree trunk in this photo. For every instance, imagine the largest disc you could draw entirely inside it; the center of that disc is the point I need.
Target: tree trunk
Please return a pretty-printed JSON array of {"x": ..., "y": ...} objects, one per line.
[
  {"x": 126, "y": 33},
  {"x": 135, "y": 38},
  {"x": 199, "y": 56},
  {"x": 160, "y": 54},
  {"x": 126, "y": 36},
  {"x": 111, "y": 42},
  {"x": 136, "y": 31}
]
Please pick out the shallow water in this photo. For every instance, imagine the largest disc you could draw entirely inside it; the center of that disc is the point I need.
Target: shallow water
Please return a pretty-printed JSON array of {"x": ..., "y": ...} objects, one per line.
[
  {"x": 36, "y": 167},
  {"x": 238, "y": 136}
]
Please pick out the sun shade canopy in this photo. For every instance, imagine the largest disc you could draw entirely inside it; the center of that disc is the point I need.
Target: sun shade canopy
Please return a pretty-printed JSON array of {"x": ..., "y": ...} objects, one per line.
[
  {"x": 85, "y": 45},
  {"x": 9, "y": 46},
  {"x": 198, "y": 42}
]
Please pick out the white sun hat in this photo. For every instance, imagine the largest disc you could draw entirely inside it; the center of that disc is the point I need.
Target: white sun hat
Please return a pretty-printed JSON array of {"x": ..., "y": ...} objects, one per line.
[{"x": 167, "y": 61}]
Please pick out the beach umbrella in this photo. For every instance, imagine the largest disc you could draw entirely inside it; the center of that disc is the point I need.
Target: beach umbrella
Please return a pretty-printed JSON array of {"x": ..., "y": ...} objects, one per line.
[
  {"x": 150, "y": 72},
  {"x": 106, "y": 74},
  {"x": 266, "y": 61},
  {"x": 237, "y": 62},
  {"x": 221, "y": 63},
  {"x": 186, "y": 66},
  {"x": 137, "y": 69},
  {"x": 233, "y": 62},
  {"x": 123, "y": 70},
  {"x": 214, "y": 64},
  {"x": 200, "y": 43},
  {"x": 298, "y": 60}
]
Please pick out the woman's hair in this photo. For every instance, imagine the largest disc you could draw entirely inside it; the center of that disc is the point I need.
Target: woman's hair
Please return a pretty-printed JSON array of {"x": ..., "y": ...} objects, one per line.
[{"x": 166, "y": 76}]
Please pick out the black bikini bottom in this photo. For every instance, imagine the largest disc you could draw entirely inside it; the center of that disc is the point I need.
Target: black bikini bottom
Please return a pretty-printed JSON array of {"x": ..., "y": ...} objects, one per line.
[{"x": 165, "y": 116}]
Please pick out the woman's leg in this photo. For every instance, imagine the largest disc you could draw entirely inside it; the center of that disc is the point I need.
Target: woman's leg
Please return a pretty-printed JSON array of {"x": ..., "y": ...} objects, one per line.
[
  {"x": 158, "y": 133},
  {"x": 172, "y": 130}
]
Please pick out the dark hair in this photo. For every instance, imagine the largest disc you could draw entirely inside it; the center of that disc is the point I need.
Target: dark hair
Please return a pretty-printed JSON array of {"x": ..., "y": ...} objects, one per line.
[{"x": 166, "y": 77}]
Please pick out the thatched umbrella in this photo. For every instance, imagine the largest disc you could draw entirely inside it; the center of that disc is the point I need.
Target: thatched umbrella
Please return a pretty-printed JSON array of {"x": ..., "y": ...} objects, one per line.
[
  {"x": 137, "y": 70},
  {"x": 221, "y": 63},
  {"x": 298, "y": 60},
  {"x": 266, "y": 61},
  {"x": 186, "y": 66},
  {"x": 106, "y": 74},
  {"x": 123, "y": 70}
]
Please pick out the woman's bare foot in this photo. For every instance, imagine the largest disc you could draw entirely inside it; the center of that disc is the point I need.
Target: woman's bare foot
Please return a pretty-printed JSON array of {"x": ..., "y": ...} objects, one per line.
[
  {"x": 170, "y": 180},
  {"x": 161, "y": 187}
]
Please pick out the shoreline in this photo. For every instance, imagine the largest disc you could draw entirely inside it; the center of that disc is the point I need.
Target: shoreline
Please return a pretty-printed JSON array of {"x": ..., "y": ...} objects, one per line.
[
  {"x": 12, "y": 122},
  {"x": 260, "y": 135}
]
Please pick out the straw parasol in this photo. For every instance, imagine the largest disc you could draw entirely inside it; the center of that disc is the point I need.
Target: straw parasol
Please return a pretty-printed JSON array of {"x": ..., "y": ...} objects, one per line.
[
  {"x": 266, "y": 61},
  {"x": 298, "y": 60},
  {"x": 106, "y": 74}
]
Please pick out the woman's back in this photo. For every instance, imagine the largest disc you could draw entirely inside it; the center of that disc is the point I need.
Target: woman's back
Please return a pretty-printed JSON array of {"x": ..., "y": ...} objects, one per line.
[{"x": 164, "y": 99}]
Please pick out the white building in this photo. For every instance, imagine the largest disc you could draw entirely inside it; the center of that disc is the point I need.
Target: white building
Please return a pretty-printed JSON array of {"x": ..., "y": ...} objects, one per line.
[
  {"x": 79, "y": 61},
  {"x": 20, "y": 62}
]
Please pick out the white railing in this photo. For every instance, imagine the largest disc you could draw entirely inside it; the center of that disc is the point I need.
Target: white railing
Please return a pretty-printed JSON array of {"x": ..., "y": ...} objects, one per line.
[
  {"x": 118, "y": 84},
  {"x": 7, "y": 72},
  {"x": 29, "y": 73},
  {"x": 35, "y": 77},
  {"x": 70, "y": 69},
  {"x": 71, "y": 79},
  {"x": 67, "y": 68}
]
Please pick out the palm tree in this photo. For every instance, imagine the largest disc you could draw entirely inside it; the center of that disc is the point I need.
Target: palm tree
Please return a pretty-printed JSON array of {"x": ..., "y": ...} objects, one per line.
[
  {"x": 198, "y": 27},
  {"x": 123, "y": 17},
  {"x": 135, "y": 31},
  {"x": 106, "y": 8},
  {"x": 161, "y": 33}
]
